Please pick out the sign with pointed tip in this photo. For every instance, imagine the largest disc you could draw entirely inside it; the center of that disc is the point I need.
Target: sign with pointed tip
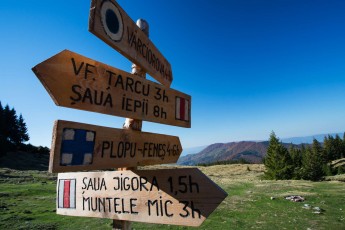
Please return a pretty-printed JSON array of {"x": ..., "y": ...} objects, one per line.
[
  {"x": 109, "y": 22},
  {"x": 77, "y": 82},
  {"x": 78, "y": 147},
  {"x": 182, "y": 196}
]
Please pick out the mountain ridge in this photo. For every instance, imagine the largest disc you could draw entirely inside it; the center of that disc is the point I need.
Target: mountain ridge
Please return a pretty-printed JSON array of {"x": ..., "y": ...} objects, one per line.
[
  {"x": 251, "y": 151},
  {"x": 309, "y": 139},
  {"x": 294, "y": 140},
  {"x": 248, "y": 150}
]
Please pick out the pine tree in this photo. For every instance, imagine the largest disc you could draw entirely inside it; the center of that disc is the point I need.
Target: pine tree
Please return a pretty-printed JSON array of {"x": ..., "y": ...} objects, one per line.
[
  {"x": 338, "y": 148},
  {"x": 312, "y": 165},
  {"x": 296, "y": 158},
  {"x": 327, "y": 149},
  {"x": 22, "y": 130},
  {"x": 327, "y": 154},
  {"x": 13, "y": 129},
  {"x": 1, "y": 121},
  {"x": 3, "y": 145},
  {"x": 11, "y": 125},
  {"x": 277, "y": 161},
  {"x": 342, "y": 155},
  {"x": 271, "y": 157}
]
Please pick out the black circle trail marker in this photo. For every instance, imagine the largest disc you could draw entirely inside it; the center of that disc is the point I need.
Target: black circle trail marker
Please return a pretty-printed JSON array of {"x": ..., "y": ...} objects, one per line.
[
  {"x": 109, "y": 22},
  {"x": 112, "y": 21}
]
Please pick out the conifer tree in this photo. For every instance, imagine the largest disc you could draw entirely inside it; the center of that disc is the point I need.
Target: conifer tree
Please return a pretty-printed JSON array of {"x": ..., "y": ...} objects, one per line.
[
  {"x": 3, "y": 145},
  {"x": 326, "y": 154},
  {"x": 338, "y": 148},
  {"x": 296, "y": 158},
  {"x": 23, "y": 135},
  {"x": 13, "y": 129},
  {"x": 342, "y": 146},
  {"x": 312, "y": 165},
  {"x": 11, "y": 125},
  {"x": 328, "y": 149},
  {"x": 1, "y": 121},
  {"x": 277, "y": 161}
]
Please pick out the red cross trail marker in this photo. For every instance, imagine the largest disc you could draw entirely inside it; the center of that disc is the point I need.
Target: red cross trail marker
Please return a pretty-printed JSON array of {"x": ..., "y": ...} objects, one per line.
[
  {"x": 77, "y": 82},
  {"x": 165, "y": 196},
  {"x": 78, "y": 146},
  {"x": 110, "y": 23}
]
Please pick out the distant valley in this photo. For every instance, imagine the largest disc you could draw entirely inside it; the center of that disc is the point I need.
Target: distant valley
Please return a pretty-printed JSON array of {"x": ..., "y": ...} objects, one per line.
[{"x": 192, "y": 150}]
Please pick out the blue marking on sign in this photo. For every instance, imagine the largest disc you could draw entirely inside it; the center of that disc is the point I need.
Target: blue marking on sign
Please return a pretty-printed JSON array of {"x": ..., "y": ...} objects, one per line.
[{"x": 78, "y": 147}]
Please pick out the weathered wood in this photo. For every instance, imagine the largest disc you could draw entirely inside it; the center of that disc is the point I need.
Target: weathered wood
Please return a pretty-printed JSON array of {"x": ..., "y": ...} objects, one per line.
[
  {"x": 133, "y": 124},
  {"x": 78, "y": 146},
  {"x": 130, "y": 123},
  {"x": 109, "y": 22},
  {"x": 78, "y": 82},
  {"x": 123, "y": 224},
  {"x": 166, "y": 196}
]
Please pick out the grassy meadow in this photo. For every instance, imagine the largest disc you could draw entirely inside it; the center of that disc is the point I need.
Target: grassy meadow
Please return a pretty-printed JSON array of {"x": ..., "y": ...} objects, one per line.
[{"x": 27, "y": 201}]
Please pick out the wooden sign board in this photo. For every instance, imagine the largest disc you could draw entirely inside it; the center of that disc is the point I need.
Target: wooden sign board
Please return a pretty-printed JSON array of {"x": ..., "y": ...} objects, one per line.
[
  {"x": 110, "y": 23},
  {"x": 78, "y": 147},
  {"x": 78, "y": 82},
  {"x": 166, "y": 196}
]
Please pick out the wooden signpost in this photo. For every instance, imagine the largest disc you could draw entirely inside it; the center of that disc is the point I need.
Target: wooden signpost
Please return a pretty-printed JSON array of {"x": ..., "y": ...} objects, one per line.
[
  {"x": 75, "y": 81},
  {"x": 78, "y": 146},
  {"x": 110, "y": 23},
  {"x": 166, "y": 196},
  {"x": 171, "y": 196}
]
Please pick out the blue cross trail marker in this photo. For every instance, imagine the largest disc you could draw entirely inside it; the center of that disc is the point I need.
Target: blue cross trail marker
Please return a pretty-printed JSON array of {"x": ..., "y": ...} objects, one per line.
[{"x": 77, "y": 147}]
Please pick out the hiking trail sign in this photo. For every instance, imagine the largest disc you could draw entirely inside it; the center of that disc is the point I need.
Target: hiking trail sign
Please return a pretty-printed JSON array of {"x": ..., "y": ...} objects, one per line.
[
  {"x": 77, "y": 82},
  {"x": 181, "y": 196},
  {"x": 163, "y": 196},
  {"x": 109, "y": 22},
  {"x": 78, "y": 147}
]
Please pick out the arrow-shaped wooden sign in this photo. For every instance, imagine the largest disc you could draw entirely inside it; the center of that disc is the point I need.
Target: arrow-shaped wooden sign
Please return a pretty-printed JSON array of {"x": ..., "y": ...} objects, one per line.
[
  {"x": 165, "y": 196},
  {"x": 78, "y": 147},
  {"x": 78, "y": 82},
  {"x": 110, "y": 23}
]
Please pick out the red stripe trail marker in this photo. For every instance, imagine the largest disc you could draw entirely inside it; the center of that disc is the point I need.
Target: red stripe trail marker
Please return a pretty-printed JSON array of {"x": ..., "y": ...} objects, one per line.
[
  {"x": 66, "y": 191},
  {"x": 66, "y": 194},
  {"x": 182, "y": 109}
]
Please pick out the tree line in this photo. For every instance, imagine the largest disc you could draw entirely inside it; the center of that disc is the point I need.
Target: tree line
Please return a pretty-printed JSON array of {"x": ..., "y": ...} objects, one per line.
[
  {"x": 226, "y": 162},
  {"x": 14, "y": 133},
  {"x": 308, "y": 162},
  {"x": 13, "y": 130}
]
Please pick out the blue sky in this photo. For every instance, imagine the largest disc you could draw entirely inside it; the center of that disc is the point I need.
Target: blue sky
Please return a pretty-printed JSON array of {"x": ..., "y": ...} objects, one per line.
[{"x": 250, "y": 66}]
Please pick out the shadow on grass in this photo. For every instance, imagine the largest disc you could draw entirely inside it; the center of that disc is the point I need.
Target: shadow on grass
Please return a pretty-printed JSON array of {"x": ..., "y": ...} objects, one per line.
[{"x": 25, "y": 161}]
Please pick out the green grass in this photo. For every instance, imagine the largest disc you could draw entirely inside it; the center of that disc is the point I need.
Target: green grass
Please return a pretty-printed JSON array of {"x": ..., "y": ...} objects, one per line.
[
  {"x": 27, "y": 201},
  {"x": 255, "y": 209}
]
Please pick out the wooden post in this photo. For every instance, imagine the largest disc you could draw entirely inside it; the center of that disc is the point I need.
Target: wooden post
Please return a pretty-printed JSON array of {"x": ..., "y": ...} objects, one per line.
[{"x": 132, "y": 124}]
